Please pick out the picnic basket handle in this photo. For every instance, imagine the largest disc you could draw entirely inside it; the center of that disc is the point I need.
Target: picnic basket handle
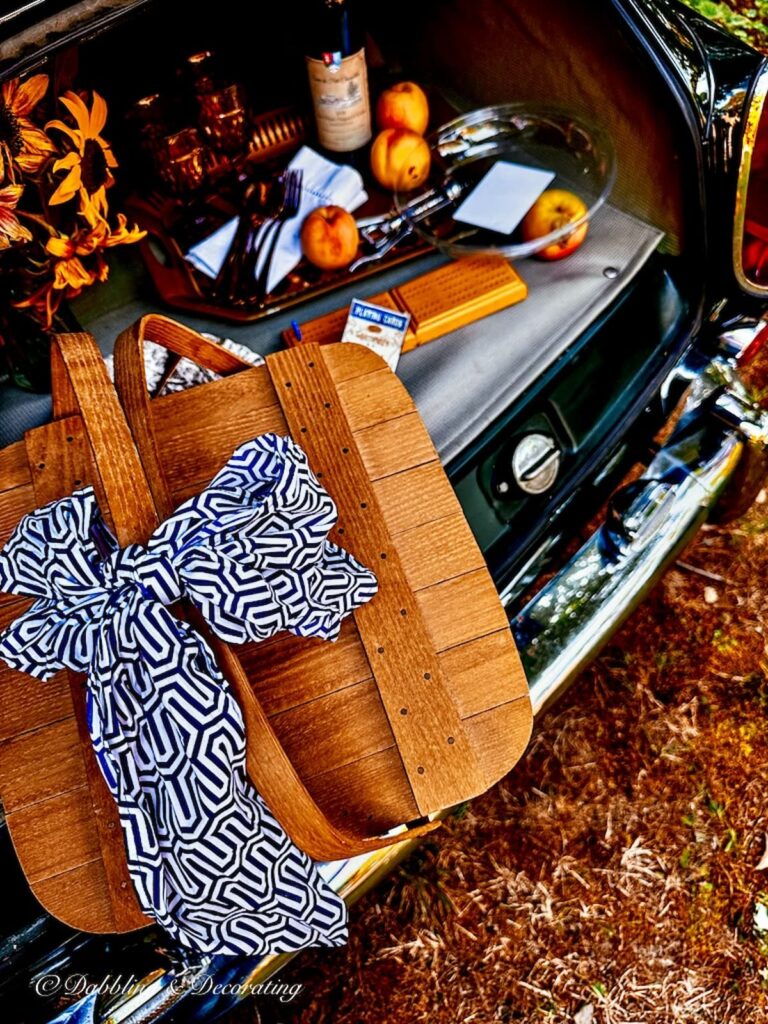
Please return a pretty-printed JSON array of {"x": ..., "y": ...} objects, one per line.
[
  {"x": 81, "y": 385},
  {"x": 131, "y": 384},
  {"x": 269, "y": 767}
]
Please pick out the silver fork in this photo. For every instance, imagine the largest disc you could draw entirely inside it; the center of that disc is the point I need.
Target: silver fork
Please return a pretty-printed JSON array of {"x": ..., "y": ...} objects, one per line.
[{"x": 290, "y": 207}]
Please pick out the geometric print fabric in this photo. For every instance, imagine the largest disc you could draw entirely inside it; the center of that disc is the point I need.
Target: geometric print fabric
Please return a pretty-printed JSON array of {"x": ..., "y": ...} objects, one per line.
[{"x": 207, "y": 858}]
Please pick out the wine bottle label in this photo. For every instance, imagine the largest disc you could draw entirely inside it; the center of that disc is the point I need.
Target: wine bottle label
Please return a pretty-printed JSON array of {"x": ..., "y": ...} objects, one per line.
[{"x": 339, "y": 88}]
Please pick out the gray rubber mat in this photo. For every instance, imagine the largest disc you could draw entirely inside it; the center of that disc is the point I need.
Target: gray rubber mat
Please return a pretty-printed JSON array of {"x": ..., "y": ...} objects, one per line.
[{"x": 462, "y": 382}]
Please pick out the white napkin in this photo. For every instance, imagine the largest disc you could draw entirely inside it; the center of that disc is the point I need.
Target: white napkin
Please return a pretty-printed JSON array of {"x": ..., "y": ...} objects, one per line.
[{"x": 324, "y": 184}]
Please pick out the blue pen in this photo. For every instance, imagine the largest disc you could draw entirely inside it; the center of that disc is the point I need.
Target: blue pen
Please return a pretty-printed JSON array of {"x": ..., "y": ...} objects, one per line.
[{"x": 296, "y": 330}]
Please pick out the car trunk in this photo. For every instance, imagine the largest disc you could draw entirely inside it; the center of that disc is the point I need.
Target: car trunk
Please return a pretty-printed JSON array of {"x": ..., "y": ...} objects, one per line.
[
  {"x": 580, "y": 357},
  {"x": 580, "y": 360},
  {"x": 469, "y": 54}
]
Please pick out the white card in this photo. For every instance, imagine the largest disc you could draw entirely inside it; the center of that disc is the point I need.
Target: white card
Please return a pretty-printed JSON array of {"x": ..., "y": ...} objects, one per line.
[
  {"x": 380, "y": 329},
  {"x": 503, "y": 196}
]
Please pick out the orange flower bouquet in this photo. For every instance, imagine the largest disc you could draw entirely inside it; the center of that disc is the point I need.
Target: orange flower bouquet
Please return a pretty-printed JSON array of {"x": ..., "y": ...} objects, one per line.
[{"x": 55, "y": 224}]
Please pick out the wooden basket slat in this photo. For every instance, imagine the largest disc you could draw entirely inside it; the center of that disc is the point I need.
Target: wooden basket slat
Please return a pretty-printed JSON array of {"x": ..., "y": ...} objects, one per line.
[
  {"x": 500, "y": 735},
  {"x": 426, "y": 564},
  {"x": 43, "y": 702},
  {"x": 39, "y": 764},
  {"x": 16, "y": 503},
  {"x": 200, "y": 430},
  {"x": 286, "y": 676},
  {"x": 383, "y": 445},
  {"x": 482, "y": 673},
  {"x": 461, "y": 609},
  {"x": 374, "y": 398},
  {"x": 347, "y": 362},
  {"x": 88, "y": 880},
  {"x": 415, "y": 497},
  {"x": 14, "y": 468},
  {"x": 61, "y": 461},
  {"x": 374, "y": 790},
  {"x": 316, "y": 733},
  {"x": 56, "y": 834},
  {"x": 436, "y": 754}
]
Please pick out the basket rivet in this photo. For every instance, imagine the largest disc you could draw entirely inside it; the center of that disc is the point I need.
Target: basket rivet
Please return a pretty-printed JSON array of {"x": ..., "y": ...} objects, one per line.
[
  {"x": 41, "y": 465},
  {"x": 311, "y": 365},
  {"x": 303, "y": 430},
  {"x": 327, "y": 405},
  {"x": 403, "y": 611},
  {"x": 70, "y": 439},
  {"x": 427, "y": 675},
  {"x": 384, "y": 554},
  {"x": 363, "y": 504},
  {"x": 403, "y": 711},
  {"x": 341, "y": 529},
  {"x": 380, "y": 650},
  {"x": 420, "y": 770},
  {"x": 287, "y": 383},
  {"x": 345, "y": 450},
  {"x": 77, "y": 482},
  {"x": 451, "y": 739}
]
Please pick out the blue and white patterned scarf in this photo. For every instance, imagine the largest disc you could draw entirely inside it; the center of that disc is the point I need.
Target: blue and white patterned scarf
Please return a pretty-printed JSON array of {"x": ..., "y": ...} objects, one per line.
[{"x": 208, "y": 860}]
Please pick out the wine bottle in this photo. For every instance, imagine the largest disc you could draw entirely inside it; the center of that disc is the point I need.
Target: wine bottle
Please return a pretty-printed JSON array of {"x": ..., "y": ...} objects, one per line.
[{"x": 338, "y": 77}]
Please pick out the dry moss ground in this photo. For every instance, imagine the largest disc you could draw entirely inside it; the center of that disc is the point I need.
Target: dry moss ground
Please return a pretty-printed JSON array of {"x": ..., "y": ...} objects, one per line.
[{"x": 613, "y": 876}]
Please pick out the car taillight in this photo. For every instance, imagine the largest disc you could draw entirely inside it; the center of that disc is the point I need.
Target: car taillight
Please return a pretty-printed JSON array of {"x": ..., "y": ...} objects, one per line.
[{"x": 750, "y": 233}]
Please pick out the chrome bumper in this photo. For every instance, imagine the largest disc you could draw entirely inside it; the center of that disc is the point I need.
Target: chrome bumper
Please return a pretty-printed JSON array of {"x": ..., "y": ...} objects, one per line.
[
  {"x": 648, "y": 523},
  {"x": 719, "y": 442}
]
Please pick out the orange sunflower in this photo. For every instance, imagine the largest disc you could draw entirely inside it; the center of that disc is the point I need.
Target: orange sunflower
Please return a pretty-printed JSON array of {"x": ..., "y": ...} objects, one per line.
[
  {"x": 70, "y": 273},
  {"x": 11, "y": 229},
  {"x": 22, "y": 143},
  {"x": 89, "y": 164}
]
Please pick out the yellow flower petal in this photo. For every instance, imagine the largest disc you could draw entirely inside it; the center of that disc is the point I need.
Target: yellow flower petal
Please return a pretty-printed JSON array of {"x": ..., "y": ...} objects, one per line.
[
  {"x": 98, "y": 114},
  {"x": 33, "y": 137},
  {"x": 109, "y": 156},
  {"x": 67, "y": 161},
  {"x": 10, "y": 195},
  {"x": 72, "y": 274},
  {"x": 75, "y": 136},
  {"x": 67, "y": 188},
  {"x": 78, "y": 110},
  {"x": 61, "y": 248},
  {"x": 28, "y": 94}
]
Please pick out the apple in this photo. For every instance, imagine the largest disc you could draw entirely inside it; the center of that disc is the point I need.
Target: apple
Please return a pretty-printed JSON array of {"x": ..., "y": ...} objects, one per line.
[
  {"x": 329, "y": 237},
  {"x": 403, "y": 106},
  {"x": 552, "y": 210},
  {"x": 400, "y": 159}
]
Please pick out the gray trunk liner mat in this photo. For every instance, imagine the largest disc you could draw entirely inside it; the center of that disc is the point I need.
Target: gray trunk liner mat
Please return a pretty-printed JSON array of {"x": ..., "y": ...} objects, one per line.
[{"x": 462, "y": 382}]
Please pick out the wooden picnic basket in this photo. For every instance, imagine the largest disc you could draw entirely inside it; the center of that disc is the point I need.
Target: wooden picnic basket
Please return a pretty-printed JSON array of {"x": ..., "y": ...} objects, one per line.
[{"x": 419, "y": 705}]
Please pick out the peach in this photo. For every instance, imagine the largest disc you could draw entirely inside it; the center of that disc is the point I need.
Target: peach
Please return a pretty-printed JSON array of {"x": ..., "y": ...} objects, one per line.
[
  {"x": 552, "y": 210},
  {"x": 400, "y": 159},
  {"x": 329, "y": 237},
  {"x": 403, "y": 106}
]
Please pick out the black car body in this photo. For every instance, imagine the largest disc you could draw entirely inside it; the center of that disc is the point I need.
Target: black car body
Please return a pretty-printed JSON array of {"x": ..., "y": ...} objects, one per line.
[{"x": 673, "y": 307}]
